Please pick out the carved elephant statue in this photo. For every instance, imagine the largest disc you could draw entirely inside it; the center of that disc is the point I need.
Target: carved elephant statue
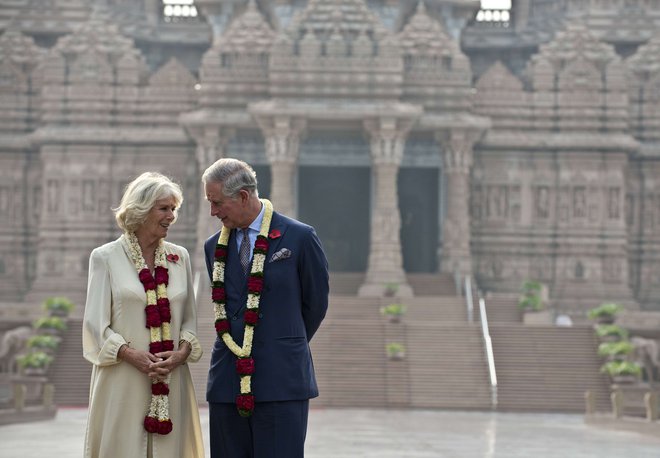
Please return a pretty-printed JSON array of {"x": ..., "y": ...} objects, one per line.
[
  {"x": 646, "y": 353},
  {"x": 12, "y": 343}
]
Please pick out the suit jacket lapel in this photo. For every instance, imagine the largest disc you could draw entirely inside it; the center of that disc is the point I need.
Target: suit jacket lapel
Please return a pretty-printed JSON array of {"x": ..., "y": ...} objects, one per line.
[{"x": 276, "y": 224}]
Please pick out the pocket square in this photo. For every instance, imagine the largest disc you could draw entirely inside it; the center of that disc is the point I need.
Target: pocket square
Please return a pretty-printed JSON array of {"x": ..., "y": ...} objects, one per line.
[{"x": 281, "y": 254}]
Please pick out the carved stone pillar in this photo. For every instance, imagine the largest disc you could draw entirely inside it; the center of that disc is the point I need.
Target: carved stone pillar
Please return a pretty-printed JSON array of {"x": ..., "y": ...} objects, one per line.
[
  {"x": 211, "y": 146},
  {"x": 282, "y": 137},
  {"x": 385, "y": 266},
  {"x": 457, "y": 145}
]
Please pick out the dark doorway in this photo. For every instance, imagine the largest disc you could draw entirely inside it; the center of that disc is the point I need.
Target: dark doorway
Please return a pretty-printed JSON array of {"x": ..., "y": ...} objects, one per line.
[
  {"x": 263, "y": 180},
  {"x": 335, "y": 200},
  {"x": 418, "y": 203}
]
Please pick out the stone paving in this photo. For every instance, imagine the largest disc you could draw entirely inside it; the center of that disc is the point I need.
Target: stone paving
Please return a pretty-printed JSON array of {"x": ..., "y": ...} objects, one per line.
[{"x": 370, "y": 433}]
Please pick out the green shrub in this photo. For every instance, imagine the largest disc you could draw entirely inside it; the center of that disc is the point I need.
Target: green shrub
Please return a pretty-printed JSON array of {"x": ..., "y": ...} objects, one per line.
[
  {"x": 58, "y": 303},
  {"x": 613, "y": 368},
  {"x": 391, "y": 289},
  {"x": 394, "y": 348},
  {"x": 34, "y": 359},
  {"x": 531, "y": 296},
  {"x": 393, "y": 309},
  {"x": 603, "y": 330},
  {"x": 620, "y": 348},
  {"x": 609, "y": 309},
  {"x": 49, "y": 342},
  {"x": 50, "y": 322}
]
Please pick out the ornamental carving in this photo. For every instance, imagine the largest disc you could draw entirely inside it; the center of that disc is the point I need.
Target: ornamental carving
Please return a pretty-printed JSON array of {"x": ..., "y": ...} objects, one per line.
[
  {"x": 387, "y": 139},
  {"x": 282, "y": 136}
]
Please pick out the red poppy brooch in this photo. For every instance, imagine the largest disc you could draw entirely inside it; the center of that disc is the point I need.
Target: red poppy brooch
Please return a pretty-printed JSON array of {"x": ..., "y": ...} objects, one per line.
[{"x": 274, "y": 234}]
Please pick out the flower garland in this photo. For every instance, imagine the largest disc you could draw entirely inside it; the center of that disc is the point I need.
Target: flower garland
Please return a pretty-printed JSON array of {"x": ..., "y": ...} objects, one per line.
[
  {"x": 158, "y": 318},
  {"x": 244, "y": 363}
]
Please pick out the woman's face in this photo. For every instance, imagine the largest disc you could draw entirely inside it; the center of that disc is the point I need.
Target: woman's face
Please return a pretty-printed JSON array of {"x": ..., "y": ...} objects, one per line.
[{"x": 158, "y": 220}]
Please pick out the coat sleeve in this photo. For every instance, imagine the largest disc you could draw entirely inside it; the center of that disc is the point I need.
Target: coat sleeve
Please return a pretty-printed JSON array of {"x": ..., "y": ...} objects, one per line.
[
  {"x": 189, "y": 325},
  {"x": 313, "y": 283},
  {"x": 100, "y": 342}
]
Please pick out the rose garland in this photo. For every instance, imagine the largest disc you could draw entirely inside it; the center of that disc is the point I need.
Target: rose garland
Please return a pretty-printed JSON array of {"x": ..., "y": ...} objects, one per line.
[
  {"x": 158, "y": 318},
  {"x": 244, "y": 363}
]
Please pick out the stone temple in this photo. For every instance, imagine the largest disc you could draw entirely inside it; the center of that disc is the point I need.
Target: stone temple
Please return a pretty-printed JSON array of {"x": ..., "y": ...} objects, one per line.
[{"x": 432, "y": 137}]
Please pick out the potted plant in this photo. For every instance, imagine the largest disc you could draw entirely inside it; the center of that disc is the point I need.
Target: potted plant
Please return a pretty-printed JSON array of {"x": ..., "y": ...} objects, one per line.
[
  {"x": 532, "y": 303},
  {"x": 34, "y": 362},
  {"x": 605, "y": 313},
  {"x": 58, "y": 306},
  {"x": 395, "y": 350},
  {"x": 50, "y": 324},
  {"x": 615, "y": 350},
  {"x": 611, "y": 332},
  {"x": 622, "y": 371},
  {"x": 391, "y": 289},
  {"x": 47, "y": 344},
  {"x": 393, "y": 312}
]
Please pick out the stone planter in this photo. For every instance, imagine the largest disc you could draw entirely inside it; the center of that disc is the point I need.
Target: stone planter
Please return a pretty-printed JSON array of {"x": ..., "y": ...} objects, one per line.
[
  {"x": 396, "y": 356},
  {"x": 624, "y": 379},
  {"x": 537, "y": 317}
]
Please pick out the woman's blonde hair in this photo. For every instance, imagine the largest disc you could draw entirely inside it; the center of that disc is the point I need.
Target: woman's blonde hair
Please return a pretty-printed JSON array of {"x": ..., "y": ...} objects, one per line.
[{"x": 141, "y": 195}]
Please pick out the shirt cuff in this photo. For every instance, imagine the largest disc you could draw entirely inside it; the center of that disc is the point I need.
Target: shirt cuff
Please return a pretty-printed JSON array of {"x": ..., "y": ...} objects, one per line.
[{"x": 107, "y": 355}]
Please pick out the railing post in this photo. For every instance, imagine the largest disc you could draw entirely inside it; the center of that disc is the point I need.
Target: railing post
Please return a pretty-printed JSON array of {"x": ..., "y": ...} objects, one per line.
[
  {"x": 489, "y": 352},
  {"x": 468, "y": 299},
  {"x": 651, "y": 403},
  {"x": 589, "y": 402},
  {"x": 617, "y": 403},
  {"x": 20, "y": 392},
  {"x": 48, "y": 395}
]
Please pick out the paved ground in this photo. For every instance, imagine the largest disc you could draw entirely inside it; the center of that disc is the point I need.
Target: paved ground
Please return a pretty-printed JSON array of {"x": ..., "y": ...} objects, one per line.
[{"x": 360, "y": 433}]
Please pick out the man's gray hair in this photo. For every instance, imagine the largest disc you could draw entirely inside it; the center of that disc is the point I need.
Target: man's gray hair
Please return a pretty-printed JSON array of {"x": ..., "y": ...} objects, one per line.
[{"x": 233, "y": 174}]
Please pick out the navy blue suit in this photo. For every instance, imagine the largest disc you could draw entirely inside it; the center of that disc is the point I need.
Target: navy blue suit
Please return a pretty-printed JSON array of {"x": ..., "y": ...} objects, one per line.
[{"x": 293, "y": 303}]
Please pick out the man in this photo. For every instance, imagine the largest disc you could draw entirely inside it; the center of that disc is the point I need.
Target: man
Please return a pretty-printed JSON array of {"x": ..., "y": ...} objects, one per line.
[{"x": 270, "y": 289}]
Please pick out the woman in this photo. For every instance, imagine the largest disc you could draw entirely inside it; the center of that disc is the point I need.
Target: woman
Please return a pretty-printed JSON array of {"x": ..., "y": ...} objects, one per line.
[{"x": 140, "y": 330}]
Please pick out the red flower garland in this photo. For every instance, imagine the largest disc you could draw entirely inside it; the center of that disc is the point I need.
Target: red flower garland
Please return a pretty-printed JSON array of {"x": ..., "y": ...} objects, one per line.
[
  {"x": 244, "y": 366},
  {"x": 156, "y": 315}
]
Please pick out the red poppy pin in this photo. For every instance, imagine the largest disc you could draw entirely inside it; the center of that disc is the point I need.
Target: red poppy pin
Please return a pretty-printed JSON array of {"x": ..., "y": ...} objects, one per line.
[
  {"x": 274, "y": 234},
  {"x": 172, "y": 257}
]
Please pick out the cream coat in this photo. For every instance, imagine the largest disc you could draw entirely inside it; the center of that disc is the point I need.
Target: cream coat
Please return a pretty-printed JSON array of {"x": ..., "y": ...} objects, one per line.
[{"x": 119, "y": 395}]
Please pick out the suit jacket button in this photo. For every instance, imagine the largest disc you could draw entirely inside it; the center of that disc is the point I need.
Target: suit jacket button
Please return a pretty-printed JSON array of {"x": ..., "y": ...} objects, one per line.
[
  {"x": 233, "y": 318},
  {"x": 261, "y": 315}
]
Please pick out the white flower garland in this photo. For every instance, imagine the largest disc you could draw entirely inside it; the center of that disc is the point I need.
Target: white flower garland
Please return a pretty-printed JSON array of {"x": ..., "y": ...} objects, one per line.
[
  {"x": 159, "y": 406},
  {"x": 252, "y": 303}
]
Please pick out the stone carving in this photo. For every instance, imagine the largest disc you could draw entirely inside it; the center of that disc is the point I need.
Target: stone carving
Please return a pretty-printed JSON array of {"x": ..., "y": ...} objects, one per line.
[
  {"x": 541, "y": 202},
  {"x": 573, "y": 67},
  {"x": 579, "y": 202},
  {"x": 613, "y": 203},
  {"x": 12, "y": 344},
  {"x": 647, "y": 354},
  {"x": 432, "y": 60}
]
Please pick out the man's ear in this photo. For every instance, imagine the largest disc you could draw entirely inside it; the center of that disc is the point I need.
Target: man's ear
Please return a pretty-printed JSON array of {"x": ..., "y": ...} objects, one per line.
[{"x": 244, "y": 196}]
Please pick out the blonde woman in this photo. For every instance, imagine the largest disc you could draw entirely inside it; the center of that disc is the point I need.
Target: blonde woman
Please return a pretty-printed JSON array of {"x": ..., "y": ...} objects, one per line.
[{"x": 139, "y": 330}]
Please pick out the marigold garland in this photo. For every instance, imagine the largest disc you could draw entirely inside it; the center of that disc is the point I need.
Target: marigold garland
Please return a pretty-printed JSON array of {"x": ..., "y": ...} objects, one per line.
[
  {"x": 244, "y": 364},
  {"x": 158, "y": 317}
]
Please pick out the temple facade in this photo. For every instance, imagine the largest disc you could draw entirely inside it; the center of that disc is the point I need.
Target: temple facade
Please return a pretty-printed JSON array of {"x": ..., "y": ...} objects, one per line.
[{"x": 416, "y": 136}]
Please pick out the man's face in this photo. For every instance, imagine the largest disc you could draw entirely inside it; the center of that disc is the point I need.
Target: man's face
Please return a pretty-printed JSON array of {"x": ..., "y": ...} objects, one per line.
[{"x": 231, "y": 211}]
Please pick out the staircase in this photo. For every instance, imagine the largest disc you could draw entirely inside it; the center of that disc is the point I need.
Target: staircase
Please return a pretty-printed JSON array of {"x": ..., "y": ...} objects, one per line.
[
  {"x": 547, "y": 368},
  {"x": 70, "y": 373},
  {"x": 539, "y": 368}
]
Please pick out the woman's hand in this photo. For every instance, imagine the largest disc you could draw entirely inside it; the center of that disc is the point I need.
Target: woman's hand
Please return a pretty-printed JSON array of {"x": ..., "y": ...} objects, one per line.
[
  {"x": 141, "y": 360},
  {"x": 169, "y": 360}
]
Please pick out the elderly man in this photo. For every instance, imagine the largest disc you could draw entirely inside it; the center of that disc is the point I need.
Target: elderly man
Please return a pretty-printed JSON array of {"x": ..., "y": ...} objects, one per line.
[{"x": 270, "y": 292}]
